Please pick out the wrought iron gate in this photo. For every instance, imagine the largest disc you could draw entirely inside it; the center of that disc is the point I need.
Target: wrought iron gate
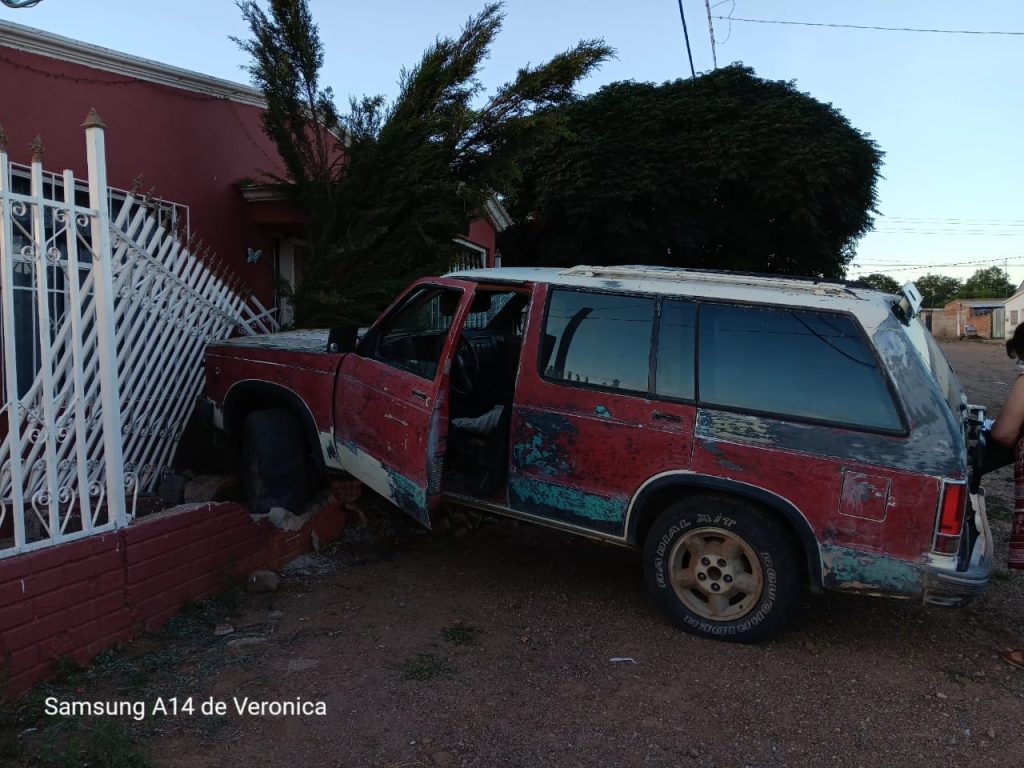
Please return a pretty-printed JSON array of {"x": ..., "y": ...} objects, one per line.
[{"x": 105, "y": 310}]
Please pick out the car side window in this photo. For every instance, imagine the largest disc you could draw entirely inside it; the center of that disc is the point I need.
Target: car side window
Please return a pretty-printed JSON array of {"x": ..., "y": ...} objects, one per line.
[
  {"x": 677, "y": 337},
  {"x": 413, "y": 337},
  {"x": 597, "y": 339},
  {"x": 789, "y": 362}
]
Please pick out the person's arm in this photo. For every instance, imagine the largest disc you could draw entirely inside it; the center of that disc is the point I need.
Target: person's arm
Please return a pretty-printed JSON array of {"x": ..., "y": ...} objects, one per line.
[{"x": 1006, "y": 430}]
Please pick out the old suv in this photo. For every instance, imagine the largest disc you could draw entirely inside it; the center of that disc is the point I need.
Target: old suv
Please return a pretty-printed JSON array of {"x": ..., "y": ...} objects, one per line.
[{"x": 752, "y": 435}]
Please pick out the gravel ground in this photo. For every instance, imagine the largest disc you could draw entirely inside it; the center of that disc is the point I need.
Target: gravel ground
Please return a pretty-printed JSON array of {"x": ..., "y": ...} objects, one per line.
[{"x": 495, "y": 647}]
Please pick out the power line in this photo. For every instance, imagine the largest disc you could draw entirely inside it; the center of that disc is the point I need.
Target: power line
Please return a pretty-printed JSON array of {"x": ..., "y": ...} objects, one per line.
[
  {"x": 686, "y": 34},
  {"x": 930, "y": 267},
  {"x": 872, "y": 27},
  {"x": 947, "y": 232},
  {"x": 888, "y": 220}
]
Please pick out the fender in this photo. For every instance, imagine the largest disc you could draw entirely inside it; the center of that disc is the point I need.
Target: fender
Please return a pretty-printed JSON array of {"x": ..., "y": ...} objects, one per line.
[
  {"x": 779, "y": 504},
  {"x": 291, "y": 400}
]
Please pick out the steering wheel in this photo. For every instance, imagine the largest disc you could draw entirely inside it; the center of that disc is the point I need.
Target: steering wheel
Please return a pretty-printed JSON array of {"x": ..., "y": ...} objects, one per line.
[{"x": 466, "y": 369}]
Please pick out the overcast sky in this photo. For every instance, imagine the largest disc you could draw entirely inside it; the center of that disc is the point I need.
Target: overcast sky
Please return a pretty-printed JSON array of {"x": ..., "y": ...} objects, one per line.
[{"x": 945, "y": 108}]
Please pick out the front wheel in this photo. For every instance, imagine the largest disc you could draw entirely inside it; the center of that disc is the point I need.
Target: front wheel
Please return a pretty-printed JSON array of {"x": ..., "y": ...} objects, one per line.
[
  {"x": 275, "y": 465},
  {"x": 722, "y": 568}
]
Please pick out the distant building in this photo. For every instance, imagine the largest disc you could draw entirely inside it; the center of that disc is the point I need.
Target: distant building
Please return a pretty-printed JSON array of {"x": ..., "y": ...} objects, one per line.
[
  {"x": 983, "y": 318},
  {"x": 1014, "y": 310}
]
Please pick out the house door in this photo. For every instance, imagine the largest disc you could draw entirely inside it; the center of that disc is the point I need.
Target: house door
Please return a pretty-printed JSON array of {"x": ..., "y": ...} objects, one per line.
[{"x": 999, "y": 323}]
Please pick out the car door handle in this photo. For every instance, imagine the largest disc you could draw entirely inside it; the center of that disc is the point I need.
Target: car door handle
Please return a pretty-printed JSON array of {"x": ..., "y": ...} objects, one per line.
[
  {"x": 421, "y": 395},
  {"x": 662, "y": 416}
]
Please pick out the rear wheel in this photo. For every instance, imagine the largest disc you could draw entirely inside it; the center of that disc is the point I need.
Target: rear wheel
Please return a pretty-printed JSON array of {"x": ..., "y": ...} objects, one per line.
[
  {"x": 275, "y": 462},
  {"x": 722, "y": 568}
]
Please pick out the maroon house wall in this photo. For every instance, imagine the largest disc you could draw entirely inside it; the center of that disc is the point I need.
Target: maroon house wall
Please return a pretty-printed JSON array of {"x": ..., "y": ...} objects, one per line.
[
  {"x": 193, "y": 148},
  {"x": 76, "y": 599},
  {"x": 482, "y": 233}
]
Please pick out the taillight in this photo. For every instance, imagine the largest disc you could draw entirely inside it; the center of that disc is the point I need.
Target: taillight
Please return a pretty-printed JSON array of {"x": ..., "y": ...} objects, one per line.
[{"x": 952, "y": 509}]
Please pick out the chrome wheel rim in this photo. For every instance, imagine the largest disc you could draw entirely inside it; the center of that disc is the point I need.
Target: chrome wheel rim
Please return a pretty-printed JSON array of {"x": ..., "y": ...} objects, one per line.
[{"x": 716, "y": 574}]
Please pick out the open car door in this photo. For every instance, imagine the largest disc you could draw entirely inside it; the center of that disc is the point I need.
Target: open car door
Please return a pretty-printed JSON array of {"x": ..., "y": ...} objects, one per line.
[{"x": 391, "y": 399}]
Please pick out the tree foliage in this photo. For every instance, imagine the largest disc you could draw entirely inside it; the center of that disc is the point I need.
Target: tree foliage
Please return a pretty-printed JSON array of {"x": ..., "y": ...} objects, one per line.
[
  {"x": 881, "y": 282},
  {"x": 723, "y": 171},
  {"x": 387, "y": 186},
  {"x": 938, "y": 290},
  {"x": 989, "y": 283}
]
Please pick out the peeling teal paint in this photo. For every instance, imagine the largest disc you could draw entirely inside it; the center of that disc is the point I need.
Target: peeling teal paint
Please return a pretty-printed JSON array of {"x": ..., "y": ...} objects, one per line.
[
  {"x": 400, "y": 490},
  {"x": 543, "y": 442},
  {"x": 409, "y": 496},
  {"x": 603, "y": 412},
  {"x": 535, "y": 452},
  {"x": 560, "y": 502},
  {"x": 348, "y": 445},
  {"x": 851, "y": 569}
]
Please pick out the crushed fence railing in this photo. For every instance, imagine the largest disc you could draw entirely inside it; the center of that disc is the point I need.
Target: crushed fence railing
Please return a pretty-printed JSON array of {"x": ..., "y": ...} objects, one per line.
[{"x": 105, "y": 310}]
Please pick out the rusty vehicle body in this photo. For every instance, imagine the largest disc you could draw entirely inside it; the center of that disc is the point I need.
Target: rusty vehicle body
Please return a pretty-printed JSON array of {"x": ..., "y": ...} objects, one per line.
[{"x": 754, "y": 436}]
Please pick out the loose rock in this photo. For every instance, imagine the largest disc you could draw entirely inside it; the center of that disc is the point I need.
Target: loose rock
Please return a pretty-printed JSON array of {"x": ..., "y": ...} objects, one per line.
[
  {"x": 262, "y": 581},
  {"x": 172, "y": 490},
  {"x": 208, "y": 488}
]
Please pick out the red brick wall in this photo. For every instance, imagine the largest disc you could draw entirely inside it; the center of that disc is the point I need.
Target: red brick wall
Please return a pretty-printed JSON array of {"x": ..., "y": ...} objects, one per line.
[
  {"x": 79, "y": 598},
  {"x": 983, "y": 323},
  {"x": 945, "y": 325}
]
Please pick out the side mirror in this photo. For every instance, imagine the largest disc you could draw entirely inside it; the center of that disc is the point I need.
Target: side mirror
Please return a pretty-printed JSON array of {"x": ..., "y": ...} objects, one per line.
[{"x": 342, "y": 338}]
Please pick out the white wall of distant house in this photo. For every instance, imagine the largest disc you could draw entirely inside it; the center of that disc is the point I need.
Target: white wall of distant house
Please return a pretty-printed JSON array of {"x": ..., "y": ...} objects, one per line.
[{"x": 1014, "y": 312}]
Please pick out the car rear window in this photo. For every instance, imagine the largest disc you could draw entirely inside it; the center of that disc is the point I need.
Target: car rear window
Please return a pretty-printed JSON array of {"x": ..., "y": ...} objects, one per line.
[{"x": 792, "y": 363}]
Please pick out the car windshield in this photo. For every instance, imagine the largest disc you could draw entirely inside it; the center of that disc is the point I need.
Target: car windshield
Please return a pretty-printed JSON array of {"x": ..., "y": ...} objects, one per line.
[{"x": 937, "y": 363}]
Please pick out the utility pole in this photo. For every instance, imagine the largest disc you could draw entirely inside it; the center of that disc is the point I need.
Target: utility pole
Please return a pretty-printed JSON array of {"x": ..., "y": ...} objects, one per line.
[
  {"x": 689, "y": 53},
  {"x": 711, "y": 31}
]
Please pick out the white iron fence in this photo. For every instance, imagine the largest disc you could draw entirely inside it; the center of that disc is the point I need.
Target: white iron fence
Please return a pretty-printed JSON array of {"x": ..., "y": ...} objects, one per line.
[{"x": 105, "y": 311}]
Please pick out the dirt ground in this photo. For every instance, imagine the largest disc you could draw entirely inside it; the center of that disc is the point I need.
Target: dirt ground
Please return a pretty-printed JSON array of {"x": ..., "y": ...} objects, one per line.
[{"x": 494, "y": 644}]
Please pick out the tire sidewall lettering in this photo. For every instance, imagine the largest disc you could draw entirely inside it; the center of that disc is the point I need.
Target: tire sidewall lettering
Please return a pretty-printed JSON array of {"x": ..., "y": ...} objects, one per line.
[{"x": 664, "y": 545}]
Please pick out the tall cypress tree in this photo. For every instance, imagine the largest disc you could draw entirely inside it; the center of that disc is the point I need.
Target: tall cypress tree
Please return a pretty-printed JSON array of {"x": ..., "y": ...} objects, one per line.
[{"x": 387, "y": 186}]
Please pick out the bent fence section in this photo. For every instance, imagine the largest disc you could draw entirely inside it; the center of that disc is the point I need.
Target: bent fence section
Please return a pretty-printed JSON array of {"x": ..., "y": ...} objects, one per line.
[{"x": 106, "y": 305}]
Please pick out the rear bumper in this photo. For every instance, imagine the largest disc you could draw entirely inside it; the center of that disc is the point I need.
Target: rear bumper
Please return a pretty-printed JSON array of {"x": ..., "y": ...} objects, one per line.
[{"x": 944, "y": 585}]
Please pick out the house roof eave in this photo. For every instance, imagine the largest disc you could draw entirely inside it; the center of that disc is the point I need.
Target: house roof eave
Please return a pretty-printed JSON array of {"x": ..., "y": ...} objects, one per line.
[
  {"x": 497, "y": 213},
  {"x": 30, "y": 40}
]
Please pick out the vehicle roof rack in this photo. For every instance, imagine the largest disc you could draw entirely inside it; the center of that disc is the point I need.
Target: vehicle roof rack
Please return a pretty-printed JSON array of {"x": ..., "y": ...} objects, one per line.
[{"x": 682, "y": 274}]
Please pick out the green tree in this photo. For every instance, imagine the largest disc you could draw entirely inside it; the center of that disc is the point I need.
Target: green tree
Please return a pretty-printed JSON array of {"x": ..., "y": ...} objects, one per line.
[
  {"x": 938, "y": 290},
  {"x": 990, "y": 283},
  {"x": 387, "y": 186},
  {"x": 881, "y": 282},
  {"x": 723, "y": 171}
]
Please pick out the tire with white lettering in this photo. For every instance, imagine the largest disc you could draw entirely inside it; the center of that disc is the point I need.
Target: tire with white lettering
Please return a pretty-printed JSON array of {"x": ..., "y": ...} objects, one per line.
[
  {"x": 275, "y": 462},
  {"x": 723, "y": 568}
]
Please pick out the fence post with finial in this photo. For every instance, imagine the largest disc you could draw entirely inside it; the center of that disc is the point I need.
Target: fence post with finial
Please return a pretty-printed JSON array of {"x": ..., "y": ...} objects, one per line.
[{"x": 110, "y": 391}]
